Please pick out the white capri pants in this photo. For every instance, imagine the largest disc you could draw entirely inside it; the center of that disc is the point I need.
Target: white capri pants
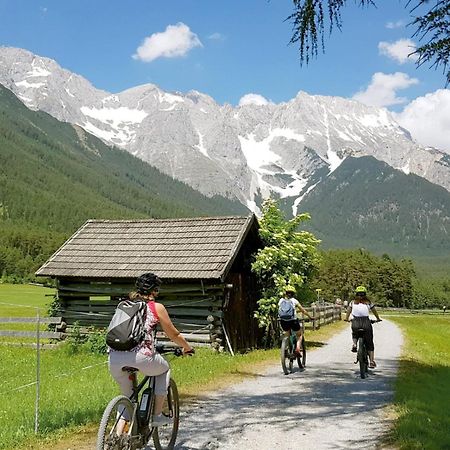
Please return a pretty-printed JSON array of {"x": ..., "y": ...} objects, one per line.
[{"x": 154, "y": 365}]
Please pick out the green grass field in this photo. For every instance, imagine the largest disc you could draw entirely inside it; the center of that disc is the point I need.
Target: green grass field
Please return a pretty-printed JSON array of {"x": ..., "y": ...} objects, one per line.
[
  {"x": 422, "y": 396},
  {"x": 75, "y": 388},
  {"x": 22, "y": 300}
]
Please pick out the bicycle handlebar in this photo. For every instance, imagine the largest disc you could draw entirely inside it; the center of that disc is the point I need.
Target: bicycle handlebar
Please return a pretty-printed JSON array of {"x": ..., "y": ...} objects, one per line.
[
  {"x": 177, "y": 351},
  {"x": 371, "y": 320}
]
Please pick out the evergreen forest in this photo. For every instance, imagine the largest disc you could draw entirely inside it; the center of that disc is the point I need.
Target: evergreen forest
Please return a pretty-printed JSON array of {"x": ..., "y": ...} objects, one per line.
[
  {"x": 55, "y": 176},
  {"x": 390, "y": 282},
  {"x": 367, "y": 204}
]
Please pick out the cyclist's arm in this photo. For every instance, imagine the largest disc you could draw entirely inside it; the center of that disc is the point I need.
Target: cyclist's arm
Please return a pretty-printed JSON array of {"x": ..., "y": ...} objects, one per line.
[
  {"x": 303, "y": 310},
  {"x": 168, "y": 327},
  {"x": 375, "y": 312},
  {"x": 348, "y": 312}
]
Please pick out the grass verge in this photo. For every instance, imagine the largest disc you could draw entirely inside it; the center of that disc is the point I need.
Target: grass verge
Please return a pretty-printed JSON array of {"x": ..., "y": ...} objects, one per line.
[
  {"x": 75, "y": 388},
  {"x": 68, "y": 419},
  {"x": 422, "y": 391}
]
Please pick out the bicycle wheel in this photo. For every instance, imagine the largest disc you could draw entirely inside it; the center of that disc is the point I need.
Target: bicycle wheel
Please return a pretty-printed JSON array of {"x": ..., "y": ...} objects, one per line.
[
  {"x": 164, "y": 437},
  {"x": 286, "y": 351},
  {"x": 109, "y": 436},
  {"x": 362, "y": 358},
  {"x": 301, "y": 361}
]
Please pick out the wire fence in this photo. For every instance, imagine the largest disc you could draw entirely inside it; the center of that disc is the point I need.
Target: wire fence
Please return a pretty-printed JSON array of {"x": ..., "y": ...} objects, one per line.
[
  {"x": 32, "y": 336},
  {"x": 29, "y": 337}
]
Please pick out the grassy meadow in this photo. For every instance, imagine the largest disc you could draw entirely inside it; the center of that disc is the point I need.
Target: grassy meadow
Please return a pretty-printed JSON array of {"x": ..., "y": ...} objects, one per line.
[
  {"x": 76, "y": 387},
  {"x": 422, "y": 390},
  {"x": 21, "y": 300}
]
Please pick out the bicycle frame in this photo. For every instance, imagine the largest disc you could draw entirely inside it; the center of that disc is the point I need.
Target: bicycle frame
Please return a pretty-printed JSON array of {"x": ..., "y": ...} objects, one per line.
[
  {"x": 288, "y": 355},
  {"x": 137, "y": 388},
  {"x": 135, "y": 430},
  {"x": 362, "y": 356}
]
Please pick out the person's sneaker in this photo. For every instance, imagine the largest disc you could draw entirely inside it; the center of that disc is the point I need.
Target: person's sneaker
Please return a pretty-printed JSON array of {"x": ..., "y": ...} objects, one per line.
[
  {"x": 160, "y": 420},
  {"x": 354, "y": 348}
]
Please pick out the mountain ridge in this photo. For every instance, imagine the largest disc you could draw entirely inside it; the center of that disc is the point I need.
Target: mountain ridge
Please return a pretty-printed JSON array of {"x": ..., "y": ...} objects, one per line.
[
  {"x": 248, "y": 152},
  {"x": 368, "y": 204}
]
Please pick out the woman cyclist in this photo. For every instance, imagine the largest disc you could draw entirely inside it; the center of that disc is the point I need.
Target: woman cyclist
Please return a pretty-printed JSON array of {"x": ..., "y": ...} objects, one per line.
[
  {"x": 144, "y": 356},
  {"x": 360, "y": 308},
  {"x": 291, "y": 322}
]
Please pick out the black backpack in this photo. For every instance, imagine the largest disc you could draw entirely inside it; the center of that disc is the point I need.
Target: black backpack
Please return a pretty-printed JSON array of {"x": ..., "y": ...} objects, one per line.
[{"x": 127, "y": 327}]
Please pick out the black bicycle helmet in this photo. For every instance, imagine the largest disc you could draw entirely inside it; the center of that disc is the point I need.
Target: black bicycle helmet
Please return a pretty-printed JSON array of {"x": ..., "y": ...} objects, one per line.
[{"x": 147, "y": 282}]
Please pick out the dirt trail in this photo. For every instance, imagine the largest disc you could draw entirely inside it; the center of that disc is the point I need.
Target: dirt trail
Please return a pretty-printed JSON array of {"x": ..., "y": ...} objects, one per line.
[{"x": 327, "y": 406}]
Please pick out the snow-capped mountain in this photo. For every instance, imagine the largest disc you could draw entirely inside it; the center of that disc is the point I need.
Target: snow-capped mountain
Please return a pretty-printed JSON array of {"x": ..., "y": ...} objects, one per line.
[{"x": 248, "y": 152}]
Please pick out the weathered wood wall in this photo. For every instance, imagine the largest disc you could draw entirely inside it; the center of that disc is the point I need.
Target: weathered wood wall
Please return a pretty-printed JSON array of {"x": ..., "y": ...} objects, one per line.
[{"x": 92, "y": 303}]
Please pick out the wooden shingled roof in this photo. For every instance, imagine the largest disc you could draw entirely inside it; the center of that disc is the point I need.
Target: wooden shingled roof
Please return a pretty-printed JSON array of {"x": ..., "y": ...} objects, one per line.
[{"x": 189, "y": 248}]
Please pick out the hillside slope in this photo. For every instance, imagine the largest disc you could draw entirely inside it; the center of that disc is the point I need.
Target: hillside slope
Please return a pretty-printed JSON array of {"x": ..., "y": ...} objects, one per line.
[
  {"x": 54, "y": 176},
  {"x": 366, "y": 203}
]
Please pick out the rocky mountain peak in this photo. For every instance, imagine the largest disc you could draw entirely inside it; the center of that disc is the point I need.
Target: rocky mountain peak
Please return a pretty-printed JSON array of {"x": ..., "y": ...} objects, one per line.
[{"x": 247, "y": 152}]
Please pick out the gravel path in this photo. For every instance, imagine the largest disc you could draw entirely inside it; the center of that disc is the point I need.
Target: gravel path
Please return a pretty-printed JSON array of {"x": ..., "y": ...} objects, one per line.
[{"x": 327, "y": 406}]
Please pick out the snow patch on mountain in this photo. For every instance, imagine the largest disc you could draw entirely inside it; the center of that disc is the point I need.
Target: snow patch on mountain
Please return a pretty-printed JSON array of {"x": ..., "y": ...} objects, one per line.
[
  {"x": 116, "y": 117},
  {"x": 26, "y": 84},
  {"x": 406, "y": 169},
  {"x": 38, "y": 70},
  {"x": 245, "y": 152},
  {"x": 169, "y": 98},
  {"x": 119, "y": 122},
  {"x": 200, "y": 146},
  {"x": 334, "y": 160}
]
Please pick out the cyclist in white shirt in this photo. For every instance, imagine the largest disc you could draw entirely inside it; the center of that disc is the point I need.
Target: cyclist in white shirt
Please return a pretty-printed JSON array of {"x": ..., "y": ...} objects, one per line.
[
  {"x": 290, "y": 321},
  {"x": 360, "y": 308}
]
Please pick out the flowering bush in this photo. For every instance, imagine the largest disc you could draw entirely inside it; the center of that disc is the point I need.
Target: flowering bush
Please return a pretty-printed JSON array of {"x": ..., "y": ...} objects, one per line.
[{"x": 289, "y": 257}]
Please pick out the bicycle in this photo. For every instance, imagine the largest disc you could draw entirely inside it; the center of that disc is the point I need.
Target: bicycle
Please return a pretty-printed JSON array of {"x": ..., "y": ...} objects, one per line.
[
  {"x": 288, "y": 355},
  {"x": 362, "y": 356},
  {"x": 125, "y": 424}
]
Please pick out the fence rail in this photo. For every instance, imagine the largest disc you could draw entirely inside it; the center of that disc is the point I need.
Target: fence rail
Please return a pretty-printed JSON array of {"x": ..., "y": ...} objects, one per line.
[
  {"x": 323, "y": 314},
  {"x": 57, "y": 321}
]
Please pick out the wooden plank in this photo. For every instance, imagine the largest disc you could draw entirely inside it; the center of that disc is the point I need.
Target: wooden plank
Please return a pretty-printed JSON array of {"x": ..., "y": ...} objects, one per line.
[
  {"x": 194, "y": 312},
  {"x": 195, "y": 320},
  {"x": 190, "y": 337},
  {"x": 42, "y": 334},
  {"x": 55, "y": 320},
  {"x": 99, "y": 288}
]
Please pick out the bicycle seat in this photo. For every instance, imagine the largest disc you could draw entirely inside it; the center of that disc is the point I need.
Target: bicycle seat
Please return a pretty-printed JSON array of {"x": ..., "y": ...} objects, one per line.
[{"x": 130, "y": 369}]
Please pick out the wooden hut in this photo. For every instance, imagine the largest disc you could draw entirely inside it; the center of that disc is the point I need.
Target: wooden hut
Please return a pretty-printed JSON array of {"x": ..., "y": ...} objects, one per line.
[{"x": 208, "y": 287}]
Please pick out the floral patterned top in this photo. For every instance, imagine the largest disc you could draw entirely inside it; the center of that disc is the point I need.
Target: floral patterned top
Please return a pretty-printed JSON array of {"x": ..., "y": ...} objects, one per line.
[{"x": 147, "y": 346}]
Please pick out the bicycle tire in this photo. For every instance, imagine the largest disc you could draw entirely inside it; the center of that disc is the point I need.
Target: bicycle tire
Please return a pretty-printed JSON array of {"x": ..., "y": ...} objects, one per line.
[
  {"x": 107, "y": 439},
  {"x": 362, "y": 357},
  {"x": 164, "y": 437},
  {"x": 284, "y": 354},
  {"x": 301, "y": 361}
]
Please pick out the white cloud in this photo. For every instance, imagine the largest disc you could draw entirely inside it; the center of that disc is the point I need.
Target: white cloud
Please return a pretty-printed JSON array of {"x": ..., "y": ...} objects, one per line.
[
  {"x": 175, "y": 41},
  {"x": 253, "y": 99},
  {"x": 216, "y": 37},
  {"x": 382, "y": 91},
  {"x": 394, "y": 25},
  {"x": 428, "y": 119},
  {"x": 398, "y": 50}
]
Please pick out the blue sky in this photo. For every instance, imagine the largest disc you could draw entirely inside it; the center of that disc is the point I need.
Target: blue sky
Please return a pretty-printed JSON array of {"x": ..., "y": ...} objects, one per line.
[{"x": 234, "y": 48}]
